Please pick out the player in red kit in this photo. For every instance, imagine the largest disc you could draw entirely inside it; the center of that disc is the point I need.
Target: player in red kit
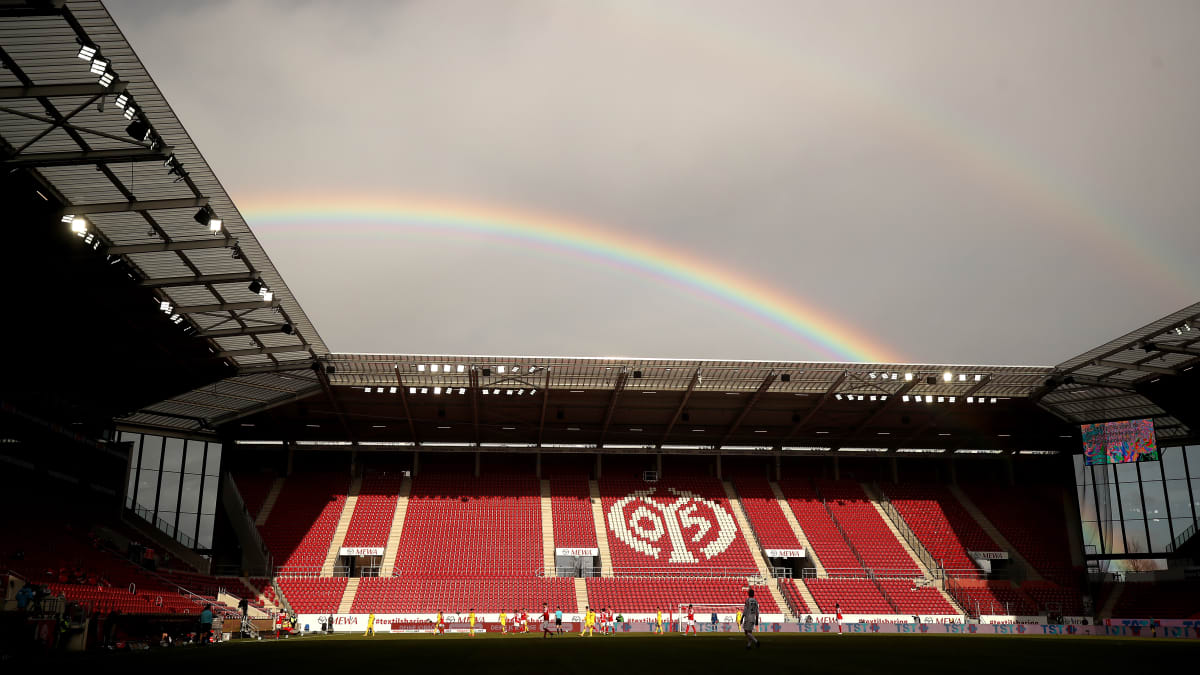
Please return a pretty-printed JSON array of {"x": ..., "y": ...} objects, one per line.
[
  {"x": 546, "y": 632},
  {"x": 691, "y": 621}
]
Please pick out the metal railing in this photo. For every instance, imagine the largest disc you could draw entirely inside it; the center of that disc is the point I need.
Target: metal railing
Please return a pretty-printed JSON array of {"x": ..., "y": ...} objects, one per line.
[
  {"x": 1183, "y": 537},
  {"x": 740, "y": 572},
  {"x": 871, "y": 573},
  {"x": 906, "y": 533}
]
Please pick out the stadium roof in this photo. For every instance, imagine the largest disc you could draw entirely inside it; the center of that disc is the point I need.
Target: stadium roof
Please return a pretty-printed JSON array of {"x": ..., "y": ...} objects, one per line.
[
  {"x": 69, "y": 121},
  {"x": 74, "y": 94}
]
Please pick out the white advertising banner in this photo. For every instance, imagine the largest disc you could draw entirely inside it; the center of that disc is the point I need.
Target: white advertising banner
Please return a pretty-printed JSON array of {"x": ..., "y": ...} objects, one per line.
[
  {"x": 784, "y": 552},
  {"x": 578, "y": 552},
  {"x": 988, "y": 555},
  {"x": 361, "y": 550}
]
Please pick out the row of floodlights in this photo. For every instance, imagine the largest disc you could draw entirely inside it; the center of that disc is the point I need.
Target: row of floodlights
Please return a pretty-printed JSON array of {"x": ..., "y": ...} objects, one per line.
[
  {"x": 139, "y": 129},
  {"x": 438, "y": 391},
  {"x": 918, "y": 398},
  {"x": 460, "y": 368},
  {"x": 946, "y": 376}
]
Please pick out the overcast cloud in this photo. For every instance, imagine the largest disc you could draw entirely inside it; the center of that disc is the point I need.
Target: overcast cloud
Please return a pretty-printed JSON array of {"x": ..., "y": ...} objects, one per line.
[{"x": 988, "y": 182}]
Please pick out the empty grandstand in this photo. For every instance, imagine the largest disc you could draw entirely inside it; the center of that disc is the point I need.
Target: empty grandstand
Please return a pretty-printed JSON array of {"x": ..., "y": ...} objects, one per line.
[{"x": 211, "y": 449}]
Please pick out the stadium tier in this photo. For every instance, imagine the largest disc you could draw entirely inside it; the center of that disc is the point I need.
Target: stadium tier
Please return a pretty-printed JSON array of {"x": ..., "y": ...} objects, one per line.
[
  {"x": 373, "y": 512},
  {"x": 300, "y": 526},
  {"x": 571, "y": 505},
  {"x": 677, "y": 524},
  {"x": 941, "y": 523},
  {"x": 416, "y": 594},
  {"x": 767, "y": 519},
  {"x": 254, "y": 488},
  {"x": 912, "y": 599},
  {"x": 313, "y": 595},
  {"x": 1162, "y": 600},
  {"x": 667, "y": 593},
  {"x": 460, "y": 526},
  {"x": 827, "y": 542},
  {"x": 980, "y": 597},
  {"x": 1033, "y": 519},
  {"x": 866, "y": 530},
  {"x": 854, "y": 596}
]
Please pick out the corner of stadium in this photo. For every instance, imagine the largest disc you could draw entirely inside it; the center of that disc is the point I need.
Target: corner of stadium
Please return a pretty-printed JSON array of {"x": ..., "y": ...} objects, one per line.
[{"x": 175, "y": 438}]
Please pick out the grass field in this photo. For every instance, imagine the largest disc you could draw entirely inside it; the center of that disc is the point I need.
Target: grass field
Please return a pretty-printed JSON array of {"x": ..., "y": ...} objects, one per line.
[{"x": 624, "y": 654}]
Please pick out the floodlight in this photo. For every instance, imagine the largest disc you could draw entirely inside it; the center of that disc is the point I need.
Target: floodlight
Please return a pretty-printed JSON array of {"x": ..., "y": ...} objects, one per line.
[
  {"x": 420, "y": 367},
  {"x": 838, "y": 396},
  {"x": 437, "y": 390},
  {"x": 978, "y": 378},
  {"x": 970, "y": 399},
  {"x": 255, "y": 286},
  {"x": 121, "y": 100},
  {"x": 461, "y": 367},
  {"x": 165, "y": 306},
  {"x": 508, "y": 392},
  {"x": 105, "y": 80},
  {"x": 434, "y": 367},
  {"x": 215, "y": 224},
  {"x": 138, "y": 130},
  {"x": 462, "y": 390},
  {"x": 962, "y": 377},
  {"x": 495, "y": 392},
  {"x": 952, "y": 399},
  {"x": 78, "y": 225},
  {"x": 86, "y": 52},
  {"x": 286, "y": 329},
  {"x": 99, "y": 66},
  {"x": 908, "y": 377},
  {"x": 532, "y": 392},
  {"x": 500, "y": 369},
  {"x": 392, "y": 390},
  {"x": 129, "y": 113},
  {"x": 947, "y": 376},
  {"x": 203, "y": 216},
  {"x": 412, "y": 390},
  {"x": 993, "y": 400},
  {"x": 268, "y": 296}
]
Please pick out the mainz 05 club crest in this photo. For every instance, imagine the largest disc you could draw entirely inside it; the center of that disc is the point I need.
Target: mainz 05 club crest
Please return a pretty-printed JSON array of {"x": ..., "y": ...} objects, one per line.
[{"x": 680, "y": 527}]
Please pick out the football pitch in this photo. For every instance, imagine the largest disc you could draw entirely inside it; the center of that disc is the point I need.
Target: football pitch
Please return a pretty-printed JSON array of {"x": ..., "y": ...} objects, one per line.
[{"x": 623, "y": 654}]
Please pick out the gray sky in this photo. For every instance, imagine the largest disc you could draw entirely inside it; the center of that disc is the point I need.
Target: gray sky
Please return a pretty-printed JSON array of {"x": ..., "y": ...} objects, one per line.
[{"x": 987, "y": 182}]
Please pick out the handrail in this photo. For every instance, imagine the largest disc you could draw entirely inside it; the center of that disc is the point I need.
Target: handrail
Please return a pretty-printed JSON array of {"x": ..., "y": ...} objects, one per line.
[
  {"x": 249, "y": 517},
  {"x": 838, "y": 525},
  {"x": 910, "y": 537},
  {"x": 1183, "y": 537}
]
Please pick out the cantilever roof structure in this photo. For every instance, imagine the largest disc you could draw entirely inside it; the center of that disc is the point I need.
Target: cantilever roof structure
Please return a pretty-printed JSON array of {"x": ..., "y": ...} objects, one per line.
[{"x": 70, "y": 89}]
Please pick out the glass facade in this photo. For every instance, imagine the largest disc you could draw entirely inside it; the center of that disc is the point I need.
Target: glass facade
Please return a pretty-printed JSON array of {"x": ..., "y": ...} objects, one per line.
[
  {"x": 173, "y": 483},
  {"x": 1138, "y": 507}
]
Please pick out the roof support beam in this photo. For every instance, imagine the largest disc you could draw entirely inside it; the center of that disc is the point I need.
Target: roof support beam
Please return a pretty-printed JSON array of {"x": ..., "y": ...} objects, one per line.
[
  {"x": 171, "y": 246},
  {"x": 945, "y": 410},
  {"x": 833, "y": 387},
  {"x": 54, "y": 90},
  {"x": 114, "y": 156},
  {"x": 473, "y": 376},
  {"x": 612, "y": 404},
  {"x": 141, "y": 205},
  {"x": 337, "y": 405},
  {"x": 274, "y": 403},
  {"x": 687, "y": 394},
  {"x": 545, "y": 403},
  {"x": 305, "y": 364},
  {"x": 1141, "y": 367},
  {"x": 248, "y": 330},
  {"x": 226, "y": 306},
  {"x": 254, "y": 351},
  {"x": 197, "y": 280},
  {"x": 1172, "y": 349},
  {"x": 412, "y": 426},
  {"x": 893, "y": 399},
  {"x": 737, "y": 422}
]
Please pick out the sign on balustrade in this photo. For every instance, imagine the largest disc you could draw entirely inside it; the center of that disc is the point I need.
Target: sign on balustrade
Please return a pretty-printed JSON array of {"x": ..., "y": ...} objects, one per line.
[{"x": 361, "y": 550}]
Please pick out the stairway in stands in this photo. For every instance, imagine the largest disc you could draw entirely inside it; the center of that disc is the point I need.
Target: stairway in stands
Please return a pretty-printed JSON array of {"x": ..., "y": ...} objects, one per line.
[
  {"x": 581, "y": 596},
  {"x": 388, "y": 563},
  {"x": 606, "y": 566},
  {"x": 343, "y": 525},
  {"x": 735, "y": 505},
  {"x": 994, "y": 533},
  {"x": 348, "y": 596},
  {"x": 891, "y": 525},
  {"x": 548, "y": 563},
  {"x": 799, "y": 532},
  {"x": 269, "y": 503}
]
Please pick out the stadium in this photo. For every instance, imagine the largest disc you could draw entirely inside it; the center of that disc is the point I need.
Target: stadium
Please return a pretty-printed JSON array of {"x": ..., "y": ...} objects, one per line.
[{"x": 176, "y": 438}]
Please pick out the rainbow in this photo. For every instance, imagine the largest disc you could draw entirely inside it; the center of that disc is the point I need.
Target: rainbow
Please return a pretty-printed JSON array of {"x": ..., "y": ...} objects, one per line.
[
  {"x": 1003, "y": 167},
  {"x": 668, "y": 265}
]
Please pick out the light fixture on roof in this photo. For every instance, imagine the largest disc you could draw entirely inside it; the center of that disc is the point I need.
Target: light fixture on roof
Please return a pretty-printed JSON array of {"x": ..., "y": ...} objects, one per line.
[
  {"x": 392, "y": 390},
  {"x": 520, "y": 392},
  {"x": 424, "y": 390},
  {"x": 121, "y": 100},
  {"x": 904, "y": 398},
  {"x": 516, "y": 369},
  {"x": 420, "y": 367},
  {"x": 978, "y": 378},
  {"x": 437, "y": 390},
  {"x": 78, "y": 225},
  {"x": 137, "y": 130},
  {"x": 532, "y": 392},
  {"x": 462, "y": 390},
  {"x": 970, "y": 399},
  {"x": 873, "y": 375},
  {"x": 256, "y": 286},
  {"x": 486, "y": 392},
  {"x": 87, "y": 52},
  {"x": 99, "y": 66},
  {"x": 129, "y": 114},
  {"x": 993, "y": 399},
  {"x": 947, "y": 376},
  {"x": 434, "y": 368},
  {"x": 962, "y": 377},
  {"x": 500, "y": 369},
  {"x": 908, "y": 377},
  {"x": 495, "y": 392},
  {"x": 106, "y": 79},
  {"x": 508, "y": 392},
  {"x": 412, "y": 390},
  {"x": 838, "y": 396},
  {"x": 460, "y": 368},
  {"x": 165, "y": 306}
]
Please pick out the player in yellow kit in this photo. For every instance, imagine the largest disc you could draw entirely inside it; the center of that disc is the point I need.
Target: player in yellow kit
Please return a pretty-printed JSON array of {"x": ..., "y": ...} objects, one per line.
[
  {"x": 503, "y": 622},
  {"x": 658, "y": 624},
  {"x": 589, "y": 623},
  {"x": 370, "y": 625},
  {"x": 738, "y": 618},
  {"x": 441, "y": 626},
  {"x": 471, "y": 620}
]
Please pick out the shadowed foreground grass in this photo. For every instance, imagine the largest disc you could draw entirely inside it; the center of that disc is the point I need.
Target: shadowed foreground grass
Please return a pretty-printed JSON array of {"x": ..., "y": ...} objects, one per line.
[{"x": 624, "y": 654}]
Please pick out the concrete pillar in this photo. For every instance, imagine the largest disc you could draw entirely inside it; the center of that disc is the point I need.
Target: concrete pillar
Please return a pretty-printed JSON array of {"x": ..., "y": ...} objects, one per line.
[
  {"x": 1008, "y": 470},
  {"x": 895, "y": 471},
  {"x": 291, "y": 457},
  {"x": 477, "y": 464},
  {"x": 658, "y": 464},
  {"x": 353, "y": 461},
  {"x": 837, "y": 472},
  {"x": 953, "y": 471},
  {"x": 597, "y": 466},
  {"x": 719, "y": 477},
  {"x": 537, "y": 464},
  {"x": 778, "y": 475},
  {"x": 416, "y": 463}
]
